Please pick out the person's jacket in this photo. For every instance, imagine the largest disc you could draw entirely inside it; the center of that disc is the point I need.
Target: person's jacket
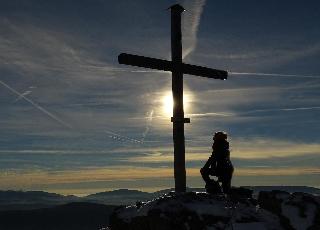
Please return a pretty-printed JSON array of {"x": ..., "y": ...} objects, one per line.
[{"x": 219, "y": 162}]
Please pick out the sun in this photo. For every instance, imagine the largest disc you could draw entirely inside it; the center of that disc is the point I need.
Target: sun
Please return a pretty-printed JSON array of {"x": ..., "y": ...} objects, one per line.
[{"x": 167, "y": 103}]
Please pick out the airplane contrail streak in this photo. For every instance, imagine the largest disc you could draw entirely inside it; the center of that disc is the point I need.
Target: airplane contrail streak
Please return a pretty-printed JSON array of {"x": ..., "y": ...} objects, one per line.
[
  {"x": 231, "y": 73},
  {"x": 238, "y": 74},
  {"x": 274, "y": 74},
  {"x": 211, "y": 114},
  {"x": 119, "y": 137},
  {"x": 147, "y": 71},
  {"x": 43, "y": 110},
  {"x": 253, "y": 111},
  {"x": 24, "y": 94},
  {"x": 281, "y": 109}
]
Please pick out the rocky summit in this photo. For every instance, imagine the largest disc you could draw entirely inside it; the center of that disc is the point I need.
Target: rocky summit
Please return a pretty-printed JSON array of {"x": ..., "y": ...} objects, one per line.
[{"x": 272, "y": 210}]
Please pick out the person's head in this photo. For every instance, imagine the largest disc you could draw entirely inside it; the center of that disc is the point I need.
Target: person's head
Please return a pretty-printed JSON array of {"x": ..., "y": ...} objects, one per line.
[
  {"x": 220, "y": 141},
  {"x": 220, "y": 136}
]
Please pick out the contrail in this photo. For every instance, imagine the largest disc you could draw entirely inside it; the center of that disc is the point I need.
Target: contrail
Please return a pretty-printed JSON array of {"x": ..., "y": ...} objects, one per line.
[
  {"x": 231, "y": 73},
  {"x": 119, "y": 137},
  {"x": 191, "y": 23},
  {"x": 253, "y": 111},
  {"x": 281, "y": 109},
  {"x": 24, "y": 94},
  {"x": 274, "y": 74},
  {"x": 148, "y": 123},
  {"x": 36, "y": 105},
  {"x": 27, "y": 92},
  {"x": 211, "y": 114}
]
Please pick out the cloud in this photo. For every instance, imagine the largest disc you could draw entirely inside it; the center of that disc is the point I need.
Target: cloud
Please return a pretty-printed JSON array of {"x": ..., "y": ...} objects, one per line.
[
  {"x": 71, "y": 77},
  {"x": 28, "y": 178},
  {"x": 242, "y": 149},
  {"x": 271, "y": 171},
  {"x": 70, "y": 178},
  {"x": 191, "y": 21},
  {"x": 148, "y": 124},
  {"x": 72, "y": 62},
  {"x": 258, "y": 54},
  {"x": 260, "y": 148},
  {"x": 55, "y": 52},
  {"x": 280, "y": 53}
]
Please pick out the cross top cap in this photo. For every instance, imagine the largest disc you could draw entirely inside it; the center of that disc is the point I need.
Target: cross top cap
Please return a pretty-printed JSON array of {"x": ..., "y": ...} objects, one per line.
[{"x": 177, "y": 7}]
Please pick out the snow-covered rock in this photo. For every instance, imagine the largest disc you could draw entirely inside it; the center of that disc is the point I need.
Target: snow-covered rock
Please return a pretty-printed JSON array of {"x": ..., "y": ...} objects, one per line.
[
  {"x": 194, "y": 211},
  {"x": 299, "y": 211},
  {"x": 273, "y": 210}
]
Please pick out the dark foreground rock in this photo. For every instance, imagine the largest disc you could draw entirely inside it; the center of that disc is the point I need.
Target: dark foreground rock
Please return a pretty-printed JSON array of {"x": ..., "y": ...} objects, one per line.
[
  {"x": 295, "y": 211},
  {"x": 73, "y": 216},
  {"x": 196, "y": 211},
  {"x": 193, "y": 211}
]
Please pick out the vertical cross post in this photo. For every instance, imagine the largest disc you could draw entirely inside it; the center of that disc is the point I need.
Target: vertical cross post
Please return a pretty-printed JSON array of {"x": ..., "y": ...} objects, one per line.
[
  {"x": 177, "y": 93},
  {"x": 178, "y": 68}
]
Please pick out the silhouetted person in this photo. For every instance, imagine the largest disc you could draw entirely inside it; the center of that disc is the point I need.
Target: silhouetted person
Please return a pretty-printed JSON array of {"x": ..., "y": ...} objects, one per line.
[{"x": 219, "y": 163}]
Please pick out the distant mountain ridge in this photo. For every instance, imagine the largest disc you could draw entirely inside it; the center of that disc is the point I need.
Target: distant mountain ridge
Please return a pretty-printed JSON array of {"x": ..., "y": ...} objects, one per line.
[
  {"x": 124, "y": 192},
  {"x": 27, "y": 200},
  {"x": 27, "y": 195},
  {"x": 119, "y": 197}
]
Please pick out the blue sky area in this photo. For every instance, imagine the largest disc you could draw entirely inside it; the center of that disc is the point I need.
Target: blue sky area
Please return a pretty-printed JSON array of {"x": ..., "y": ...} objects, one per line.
[{"x": 83, "y": 123}]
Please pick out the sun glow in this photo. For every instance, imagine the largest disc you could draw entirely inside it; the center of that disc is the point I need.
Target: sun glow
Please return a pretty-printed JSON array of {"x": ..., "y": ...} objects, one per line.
[{"x": 167, "y": 103}]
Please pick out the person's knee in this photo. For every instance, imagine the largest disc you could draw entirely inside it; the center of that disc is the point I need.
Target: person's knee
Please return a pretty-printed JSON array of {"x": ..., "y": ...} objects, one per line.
[{"x": 204, "y": 171}]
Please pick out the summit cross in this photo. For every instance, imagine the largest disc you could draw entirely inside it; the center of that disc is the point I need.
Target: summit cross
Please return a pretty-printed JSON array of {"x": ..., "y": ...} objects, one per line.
[{"x": 178, "y": 68}]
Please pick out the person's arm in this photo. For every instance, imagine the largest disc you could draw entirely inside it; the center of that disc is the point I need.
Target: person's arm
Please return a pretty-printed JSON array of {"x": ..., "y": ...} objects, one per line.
[{"x": 210, "y": 161}]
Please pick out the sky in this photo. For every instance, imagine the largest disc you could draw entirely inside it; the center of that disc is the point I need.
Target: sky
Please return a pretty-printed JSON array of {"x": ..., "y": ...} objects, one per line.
[{"x": 74, "y": 121}]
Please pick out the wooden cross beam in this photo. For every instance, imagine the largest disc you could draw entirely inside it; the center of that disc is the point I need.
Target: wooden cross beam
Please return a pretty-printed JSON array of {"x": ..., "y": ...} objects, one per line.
[
  {"x": 159, "y": 64},
  {"x": 178, "y": 68}
]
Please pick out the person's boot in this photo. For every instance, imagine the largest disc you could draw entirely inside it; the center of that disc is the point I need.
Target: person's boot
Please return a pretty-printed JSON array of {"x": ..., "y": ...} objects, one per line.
[{"x": 213, "y": 187}]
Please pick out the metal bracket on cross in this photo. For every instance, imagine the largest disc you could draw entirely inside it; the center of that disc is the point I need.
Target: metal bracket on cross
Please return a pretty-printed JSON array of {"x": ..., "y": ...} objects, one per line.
[{"x": 181, "y": 120}]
